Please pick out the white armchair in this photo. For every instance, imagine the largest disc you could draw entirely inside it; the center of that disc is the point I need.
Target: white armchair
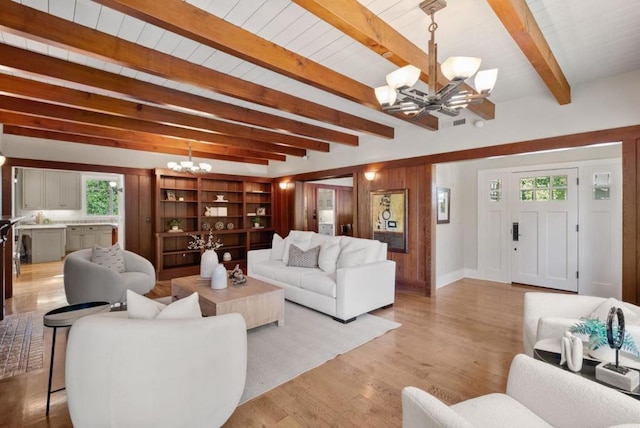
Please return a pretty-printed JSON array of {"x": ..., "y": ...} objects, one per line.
[
  {"x": 123, "y": 372},
  {"x": 538, "y": 395},
  {"x": 549, "y": 315},
  {"x": 85, "y": 281}
]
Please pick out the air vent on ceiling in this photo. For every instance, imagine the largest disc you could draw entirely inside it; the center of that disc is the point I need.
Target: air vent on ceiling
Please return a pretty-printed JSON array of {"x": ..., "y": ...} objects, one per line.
[
  {"x": 459, "y": 122},
  {"x": 452, "y": 123}
]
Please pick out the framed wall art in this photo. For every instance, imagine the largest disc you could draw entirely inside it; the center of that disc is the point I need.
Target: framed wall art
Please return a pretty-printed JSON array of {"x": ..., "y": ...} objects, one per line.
[
  {"x": 389, "y": 218},
  {"x": 444, "y": 205}
]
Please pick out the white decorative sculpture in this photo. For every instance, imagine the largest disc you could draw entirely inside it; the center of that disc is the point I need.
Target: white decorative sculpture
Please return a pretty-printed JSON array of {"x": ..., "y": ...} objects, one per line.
[
  {"x": 571, "y": 352},
  {"x": 219, "y": 278}
]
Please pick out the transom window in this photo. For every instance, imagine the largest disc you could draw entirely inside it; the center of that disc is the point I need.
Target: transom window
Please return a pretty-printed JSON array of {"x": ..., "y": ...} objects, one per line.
[{"x": 545, "y": 188}]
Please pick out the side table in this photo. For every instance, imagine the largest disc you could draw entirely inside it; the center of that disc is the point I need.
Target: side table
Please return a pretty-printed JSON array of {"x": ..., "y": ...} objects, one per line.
[
  {"x": 548, "y": 350},
  {"x": 65, "y": 317}
]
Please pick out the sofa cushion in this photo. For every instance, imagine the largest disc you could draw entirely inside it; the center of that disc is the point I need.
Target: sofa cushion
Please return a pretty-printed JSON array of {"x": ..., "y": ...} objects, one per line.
[
  {"x": 300, "y": 258},
  {"x": 267, "y": 268},
  {"x": 329, "y": 253},
  {"x": 140, "y": 307},
  {"x": 631, "y": 317},
  {"x": 300, "y": 239},
  {"x": 277, "y": 247},
  {"x": 292, "y": 275},
  {"x": 321, "y": 283},
  {"x": 111, "y": 257},
  {"x": 374, "y": 250},
  {"x": 351, "y": 258}
]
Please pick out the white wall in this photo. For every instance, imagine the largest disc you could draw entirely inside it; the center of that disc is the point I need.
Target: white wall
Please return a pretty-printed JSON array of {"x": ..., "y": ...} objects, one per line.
[{"x": 449, "y": 237}]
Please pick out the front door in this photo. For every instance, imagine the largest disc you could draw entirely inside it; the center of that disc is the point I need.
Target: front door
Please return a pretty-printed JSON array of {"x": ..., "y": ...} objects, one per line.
[{"x": 544, "y": 239}]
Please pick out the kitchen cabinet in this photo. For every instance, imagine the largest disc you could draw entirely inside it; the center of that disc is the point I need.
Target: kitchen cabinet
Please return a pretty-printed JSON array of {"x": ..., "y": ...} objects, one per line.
[
  {"x": 80, "y": 237},
  {"x": 61, "y": 190},
  {"x": 47, "y": 243},
  {"x": 49, "y": 189},
  {"x": 32, "y": 190}
]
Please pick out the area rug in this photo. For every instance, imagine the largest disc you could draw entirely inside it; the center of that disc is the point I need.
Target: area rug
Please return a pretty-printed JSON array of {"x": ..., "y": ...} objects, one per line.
[
  {"x": 307, "y": 340},
  {"x": 21, "y": 344}
]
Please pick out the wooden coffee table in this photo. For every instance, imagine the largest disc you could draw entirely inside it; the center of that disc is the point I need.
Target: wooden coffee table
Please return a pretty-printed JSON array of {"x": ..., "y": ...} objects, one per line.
[{"x": 258, "y": 302}]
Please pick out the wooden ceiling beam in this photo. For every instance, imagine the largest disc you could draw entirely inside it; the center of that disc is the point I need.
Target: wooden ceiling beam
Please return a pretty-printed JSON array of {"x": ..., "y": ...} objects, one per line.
[
  {"x": 42, "y": 65},
  {"x": 358, "y": 22},
  {"x": 40, "y": 26},
  {"x": 157, "y": 141},
  {"x": 105, "y": 142},
  {"x": 193, "y": 23},
  {"x": 100, "y": 103},
  {"x": 41, "y": 109},
  {"x": 517, "y": 18}
]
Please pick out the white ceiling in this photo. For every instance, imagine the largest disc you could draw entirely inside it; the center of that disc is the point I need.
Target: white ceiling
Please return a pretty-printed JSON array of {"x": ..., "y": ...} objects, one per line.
[{"x": 590, "y": 40}]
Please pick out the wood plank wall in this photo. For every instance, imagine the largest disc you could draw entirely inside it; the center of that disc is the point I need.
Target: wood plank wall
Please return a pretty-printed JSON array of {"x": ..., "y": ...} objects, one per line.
[
  {"x": 138, "y": 205},
  {"x": 413, "y": 269}
]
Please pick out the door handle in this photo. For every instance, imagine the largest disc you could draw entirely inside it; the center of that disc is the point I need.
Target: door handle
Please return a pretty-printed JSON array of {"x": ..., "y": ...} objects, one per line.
[{"x": 514, "y": 232}]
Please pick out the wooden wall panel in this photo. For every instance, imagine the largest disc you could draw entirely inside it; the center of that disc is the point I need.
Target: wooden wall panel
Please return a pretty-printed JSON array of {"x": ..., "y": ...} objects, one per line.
[
  {"x": 344, "y": 207},
  {"x": 139, "y": 205},
  {"x": 630, "y": 226},
  {"x": 413, "y": 269}
]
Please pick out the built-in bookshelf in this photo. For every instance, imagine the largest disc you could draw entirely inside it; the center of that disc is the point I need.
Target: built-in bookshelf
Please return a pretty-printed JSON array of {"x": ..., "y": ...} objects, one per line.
[{"x": 237, "y": 210}]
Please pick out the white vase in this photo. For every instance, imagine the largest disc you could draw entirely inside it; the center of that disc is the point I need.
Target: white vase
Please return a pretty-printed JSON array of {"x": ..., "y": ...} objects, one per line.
[
  {"x": 208, "y": 263},
  {"x": 219, "y": 278}
]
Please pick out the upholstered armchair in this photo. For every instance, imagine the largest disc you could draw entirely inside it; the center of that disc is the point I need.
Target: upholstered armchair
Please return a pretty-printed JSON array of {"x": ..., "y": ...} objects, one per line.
[
  {"x": 538, "y": 394},
  {"x": 85, "y": 281},
  {"x": 123, "y": 372},
  {"x": 549, "y": 315}
]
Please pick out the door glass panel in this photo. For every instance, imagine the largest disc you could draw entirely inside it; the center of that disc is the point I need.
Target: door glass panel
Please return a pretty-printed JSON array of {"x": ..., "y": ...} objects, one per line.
[
  {"x": 495, "y": 190},
  {"x": 542, "y": 195},
  {"x": 526, "y": 183},
  {"x": 542, "y": 182},
  {"x": 559, "y": 181},
  {"x": 559, "y": 194},
  {"x": 526, "y": 195}
]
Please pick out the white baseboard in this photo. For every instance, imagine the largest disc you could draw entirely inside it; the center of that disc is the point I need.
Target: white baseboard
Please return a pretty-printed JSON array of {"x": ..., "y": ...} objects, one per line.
[
  {"x": 473, "y": 274},
  {"x": 448, "y": 278}
]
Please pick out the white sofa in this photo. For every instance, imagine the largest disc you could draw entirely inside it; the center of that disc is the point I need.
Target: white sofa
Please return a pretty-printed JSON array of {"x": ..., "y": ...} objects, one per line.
[
  {"x": 353, "y": 275},
  {"x": 538, "y": 395},
  {"x": 549, "y": 315}
]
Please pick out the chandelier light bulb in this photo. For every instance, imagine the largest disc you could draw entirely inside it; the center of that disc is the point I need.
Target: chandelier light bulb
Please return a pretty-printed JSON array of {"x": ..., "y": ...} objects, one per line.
[
  {"x": 485, "y": 80},
  {"x": 460, "y": 67},
  {"x": 205, "y": 167},
  {"x": 172, "y": 165},
  {"x": 403, "y": 77},
  {"x": 386, "y": 95}
]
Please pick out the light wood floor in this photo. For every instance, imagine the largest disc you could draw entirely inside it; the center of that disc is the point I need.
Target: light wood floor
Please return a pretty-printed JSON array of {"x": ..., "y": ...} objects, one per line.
[{"x": 457, "y": 346}]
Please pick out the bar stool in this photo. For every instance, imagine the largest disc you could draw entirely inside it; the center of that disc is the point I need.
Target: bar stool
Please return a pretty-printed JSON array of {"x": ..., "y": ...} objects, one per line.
[{"x": 65, "y": 317}]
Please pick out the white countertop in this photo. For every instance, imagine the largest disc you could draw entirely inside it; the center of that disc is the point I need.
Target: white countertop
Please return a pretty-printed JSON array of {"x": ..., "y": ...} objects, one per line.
[{"x": 62, "y": 225}]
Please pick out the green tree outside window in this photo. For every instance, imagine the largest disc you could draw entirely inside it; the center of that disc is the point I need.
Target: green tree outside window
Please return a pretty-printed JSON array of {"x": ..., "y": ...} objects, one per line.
[{"x": 102, "y": 199}]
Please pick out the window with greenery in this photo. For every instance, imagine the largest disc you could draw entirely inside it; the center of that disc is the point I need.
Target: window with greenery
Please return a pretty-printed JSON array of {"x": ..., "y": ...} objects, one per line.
[
  {"x": 102, "y": 199},
  {"x": 544, "y": 188}
]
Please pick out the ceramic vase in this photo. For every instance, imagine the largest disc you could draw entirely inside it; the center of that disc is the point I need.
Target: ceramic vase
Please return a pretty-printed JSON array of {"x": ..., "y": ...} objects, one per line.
[
  {"x": 208, "y": 263},
  {"x": 219, "y": 278}
]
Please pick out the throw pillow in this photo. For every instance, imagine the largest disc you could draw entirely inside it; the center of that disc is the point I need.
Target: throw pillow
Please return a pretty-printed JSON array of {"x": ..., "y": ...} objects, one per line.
[
  {"x": 602, "y": 311},
  {"x": 329, "y": 252},
  {"x": 301, "y": 258},
  {"x": 301, "y": 239},
  {"x": 143, "y": 308},
  {"x": 351, "y": 258},
  {"x": 277, "y": 247},
  {"x": 111, "y": 257}
]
